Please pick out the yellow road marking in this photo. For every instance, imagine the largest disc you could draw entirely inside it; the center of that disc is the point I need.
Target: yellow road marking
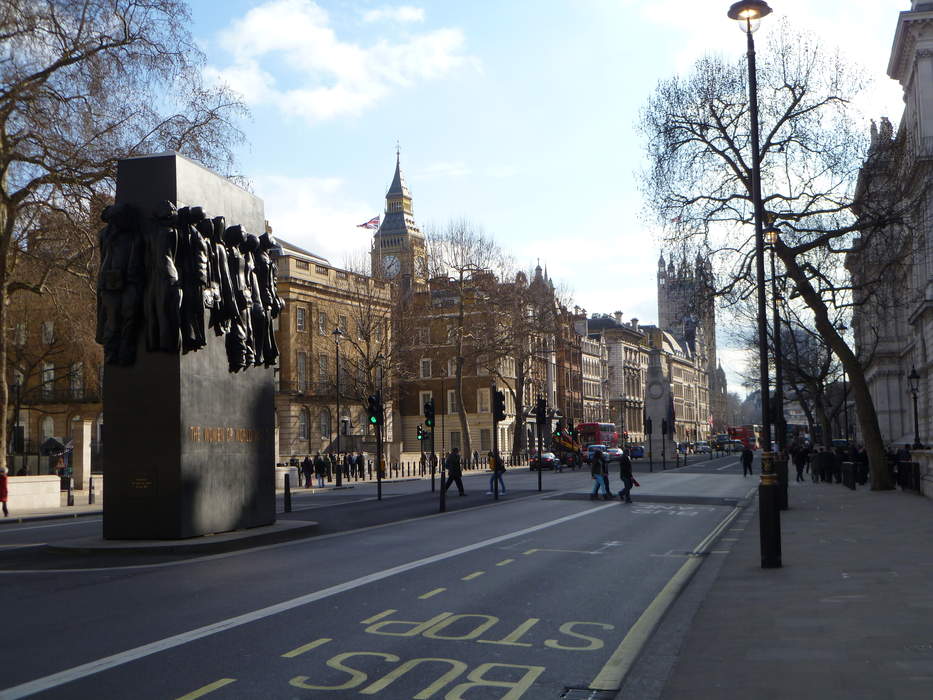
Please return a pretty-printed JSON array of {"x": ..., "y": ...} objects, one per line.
[
  {"x": 430, "y": 594},
  {"x": 530, "y": 551},
  {"x": 378, "y": 616},
  {"x": 307, "y": 647},
  {"x": 210, "y": 688},
  {"x": 613, "y": 672},
  {"x": 475, "y": 574},
  {"x": 504, "y": 562}
]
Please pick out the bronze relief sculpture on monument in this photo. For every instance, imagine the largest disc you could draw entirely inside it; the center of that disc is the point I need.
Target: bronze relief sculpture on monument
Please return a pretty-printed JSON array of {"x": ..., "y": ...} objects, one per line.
[{"x": 165, "y": 279}]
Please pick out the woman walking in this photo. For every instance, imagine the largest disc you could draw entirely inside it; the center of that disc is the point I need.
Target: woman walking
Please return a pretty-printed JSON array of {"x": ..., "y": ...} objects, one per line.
[{"x": 4, "y": 490}]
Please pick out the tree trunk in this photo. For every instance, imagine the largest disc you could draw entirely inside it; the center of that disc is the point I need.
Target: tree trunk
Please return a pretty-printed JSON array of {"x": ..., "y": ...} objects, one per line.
[
  {"x": 865, "y": 407},
  {"x": 518, "y": 432},
  {"x": 6, "y": 235}
]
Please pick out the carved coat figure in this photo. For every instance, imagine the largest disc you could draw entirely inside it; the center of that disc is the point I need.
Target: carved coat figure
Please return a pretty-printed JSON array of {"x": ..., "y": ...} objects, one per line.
[
  {"x": 272, "y": 303},
  {"x": 259, "y": 320},
  {"x": 193, "y": 270},
  {"x": 239, "y": 341},
  {"x": 162, "y": 294},
  {"x": 225, "y": 307},
  {"x": 119, "y": 284}
]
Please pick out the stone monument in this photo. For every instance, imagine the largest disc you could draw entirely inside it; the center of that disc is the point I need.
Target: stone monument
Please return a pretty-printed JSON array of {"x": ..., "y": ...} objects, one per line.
[{"x": 188, "y": 435}]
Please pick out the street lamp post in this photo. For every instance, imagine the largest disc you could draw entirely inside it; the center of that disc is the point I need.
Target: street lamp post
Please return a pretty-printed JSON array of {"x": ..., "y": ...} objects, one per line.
[
  {"x": 845, "y": 393},
  {"x": 780, "y": 426},
  {"x": 337, "y": 333},
  {"x": 748, "y": 13},
  {"x": 914, "y": 379}
]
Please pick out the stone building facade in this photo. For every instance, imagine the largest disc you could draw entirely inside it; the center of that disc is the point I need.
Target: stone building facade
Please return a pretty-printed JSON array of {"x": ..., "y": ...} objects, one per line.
[{"x": 892, "y": 271}]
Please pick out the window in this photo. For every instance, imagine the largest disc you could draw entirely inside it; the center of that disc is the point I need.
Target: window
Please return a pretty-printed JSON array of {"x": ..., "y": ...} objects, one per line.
[
  {"x": 481, "y": 369},
  {"x": 303, "y": 433},
  {"x": 322, "y": 370},
  {"x": 485, "y": 440},
  {"x": 302, "y": 265},
  {"x": 455, "y": 439},
  {"x": 321, "y": 323},
  {"x": 377, "y": 331},
  {"x": 425, "y": 368},
  {"x": 76, "y": 380},
  {"x": 482, "y": 400},
  {"x": 451, "y": 401},
  {"x": 19, "y": 334},
  {"x": 325, "y": 423},
  {"x": 302, "y": 371},
  {"x": 48, "y": 332},
  {"x": 320, "y": 269},
  {"x": 47, "y": 428},
  {"x": 423, "y": 336},
  {"x": 451, "y": 367},
  {"x": 342, "y": 324},
  {"x": 301, "y": 324},
  {"x": 48, "y": 379},
  {"x": 341, "y": 275}
]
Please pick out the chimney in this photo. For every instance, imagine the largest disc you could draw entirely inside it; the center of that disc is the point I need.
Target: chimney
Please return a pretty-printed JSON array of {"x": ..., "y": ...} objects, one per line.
[
  {"x": 618, "y": 317},
  {"x": 635, "y": 323}
]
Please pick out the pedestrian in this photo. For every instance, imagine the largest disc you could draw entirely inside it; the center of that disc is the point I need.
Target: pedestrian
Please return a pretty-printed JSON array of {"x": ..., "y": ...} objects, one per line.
[
  {"x": 498, "y": 469},
  {"x": 349, "y": 466},
  {"x": 320, "y": 465},
  {"x": 454, "y": 470},
  {"x": 361, "y": 465},
  {"x": 4, "y": 490},
  {"x": 747, "y": 457},
  {"x": 599, "y": 470},
  {"x": 320, "y": 471},
  {"x": 475, "y": 459},
  {"x": 799, "y": 456},
  {"x": 625, "y": 473},
  {"x": 306, "y": 469}
]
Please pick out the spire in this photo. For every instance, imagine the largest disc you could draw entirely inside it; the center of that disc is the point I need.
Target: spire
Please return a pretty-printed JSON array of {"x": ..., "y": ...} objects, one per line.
[{"x": 398, "y": 188}]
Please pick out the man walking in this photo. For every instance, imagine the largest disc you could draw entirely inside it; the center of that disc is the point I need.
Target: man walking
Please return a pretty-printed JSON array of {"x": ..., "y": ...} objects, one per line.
[
  {"x": 747, "y": 457},
  {"x": 320, "y": 468},
  {"x": 625, "y": 473},
  {"x": 599, "y": 470},
  {"x": 454, "y": 470},
  {"x": 306, "y": 469}
]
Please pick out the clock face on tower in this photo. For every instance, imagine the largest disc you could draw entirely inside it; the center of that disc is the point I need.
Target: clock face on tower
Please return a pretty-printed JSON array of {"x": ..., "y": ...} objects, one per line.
[{"x": 390, "y": 265}]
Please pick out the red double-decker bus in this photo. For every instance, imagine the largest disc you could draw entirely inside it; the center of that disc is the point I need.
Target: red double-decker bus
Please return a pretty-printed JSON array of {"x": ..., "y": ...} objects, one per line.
[
  {"x": 598, "y": 434},
  {"x": 748, "y": 435}
]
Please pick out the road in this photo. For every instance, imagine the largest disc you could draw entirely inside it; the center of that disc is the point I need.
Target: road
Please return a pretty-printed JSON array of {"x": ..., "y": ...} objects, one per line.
[{"x": 521, "y": 598}]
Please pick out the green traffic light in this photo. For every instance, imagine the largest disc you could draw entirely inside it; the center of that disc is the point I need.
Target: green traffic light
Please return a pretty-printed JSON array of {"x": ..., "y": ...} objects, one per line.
[{"x": 372, "y": 419}]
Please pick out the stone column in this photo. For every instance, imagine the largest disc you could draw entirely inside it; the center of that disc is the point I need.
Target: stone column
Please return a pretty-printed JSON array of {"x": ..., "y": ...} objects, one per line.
[{"x": 81, "y": 457}]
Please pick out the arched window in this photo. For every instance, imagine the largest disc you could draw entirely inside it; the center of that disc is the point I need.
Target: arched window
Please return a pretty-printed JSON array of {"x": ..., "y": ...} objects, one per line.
[
  {"x": 47, "y": 428},
  {"x": 325, "y": 423},
  {"x": 303, "y": 421}
]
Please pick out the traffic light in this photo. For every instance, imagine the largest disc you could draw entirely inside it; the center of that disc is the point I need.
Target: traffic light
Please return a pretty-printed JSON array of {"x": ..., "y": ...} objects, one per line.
[
  {"x": 541, "y": 412},
  {"x": 498, "y": 406},
  {"x": 429, "y": 413},
  {"x": 420, "y": 432},
  {"x": 664, "y": 426},
  {"x": 648, "y": 426},
  {"x": 559, "y": 430},
  {"x": 374, "y": 409}
]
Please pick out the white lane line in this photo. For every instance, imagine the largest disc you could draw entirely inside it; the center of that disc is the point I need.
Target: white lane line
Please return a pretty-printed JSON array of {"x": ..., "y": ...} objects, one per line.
[
  {"x": 75, "y": 521},
  {"x": 719, "y": 469},
  {"x": 72, "y": 674}
]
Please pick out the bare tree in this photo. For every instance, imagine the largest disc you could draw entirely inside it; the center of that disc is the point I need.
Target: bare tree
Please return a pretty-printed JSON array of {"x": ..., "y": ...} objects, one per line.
[
  {"x": 84, "y": 83},
  {"x": 812, "y": 149}
]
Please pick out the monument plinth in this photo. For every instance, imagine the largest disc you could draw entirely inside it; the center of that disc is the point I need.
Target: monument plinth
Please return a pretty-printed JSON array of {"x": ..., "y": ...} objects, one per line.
[{"x": 188, "y": 444}]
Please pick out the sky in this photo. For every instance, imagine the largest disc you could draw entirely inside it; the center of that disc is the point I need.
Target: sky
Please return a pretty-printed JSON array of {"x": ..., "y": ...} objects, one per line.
[{"x": 519, "y": 115}]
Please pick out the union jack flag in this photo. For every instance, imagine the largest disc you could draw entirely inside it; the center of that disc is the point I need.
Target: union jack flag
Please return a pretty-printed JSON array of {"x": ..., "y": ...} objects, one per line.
[{"x": 372, "y": 223}]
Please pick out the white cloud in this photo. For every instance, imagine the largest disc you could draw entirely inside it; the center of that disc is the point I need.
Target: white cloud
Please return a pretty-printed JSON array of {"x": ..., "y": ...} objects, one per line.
[
  {"x": 287, "y": 54},
  {"x": 404, "y": 13},
  {"x": 316, "y": 214}
]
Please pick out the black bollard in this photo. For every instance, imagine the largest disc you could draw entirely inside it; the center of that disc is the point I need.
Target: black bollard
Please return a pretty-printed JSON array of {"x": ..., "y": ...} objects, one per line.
[
  {"x": 71, "y": 492},
  {"x": 91, "y": 497},
  {"x": 288, "y": 494}
]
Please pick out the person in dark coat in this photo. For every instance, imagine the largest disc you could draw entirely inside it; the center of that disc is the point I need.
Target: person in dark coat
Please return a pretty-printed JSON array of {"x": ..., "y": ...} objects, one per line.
[
  {"x": 599, "y": 470},
  {"x": 747, "y": 457},
  {"x": 320, "y": 465},
  {"x": 307, "y": 467},
  {"x": 799, "y": 456},
  {"x": 625, "y": 473},
  {"x": 454, "y": 470}
]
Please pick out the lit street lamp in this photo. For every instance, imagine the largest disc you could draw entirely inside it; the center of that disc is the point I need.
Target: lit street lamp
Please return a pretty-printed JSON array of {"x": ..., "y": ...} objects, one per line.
[
  {"x": 914, "y": 379},
  {"x": 749, "y": 13}
]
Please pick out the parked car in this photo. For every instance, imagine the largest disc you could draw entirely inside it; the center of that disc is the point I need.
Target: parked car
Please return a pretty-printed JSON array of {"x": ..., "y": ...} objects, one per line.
[
  {"x": 613, "y": 454},
  {"x": 590, "y": 449},
  {"x": 702, "y": 447},
  {"x": 549, "y": 460},
  {"x": 636, "y": 451}
]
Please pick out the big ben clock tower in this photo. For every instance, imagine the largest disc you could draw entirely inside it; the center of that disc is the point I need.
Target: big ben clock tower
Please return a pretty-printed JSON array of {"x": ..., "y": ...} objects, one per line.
[{"x": 398, "y": 252}]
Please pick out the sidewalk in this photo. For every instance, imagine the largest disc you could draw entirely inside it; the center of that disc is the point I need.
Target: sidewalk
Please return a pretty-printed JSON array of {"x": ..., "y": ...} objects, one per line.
[{"x": 849, "y": 616}]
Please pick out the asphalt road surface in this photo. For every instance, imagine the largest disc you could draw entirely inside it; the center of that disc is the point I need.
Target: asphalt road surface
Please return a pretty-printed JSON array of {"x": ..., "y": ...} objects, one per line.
[{"x": 533, "y": 596}]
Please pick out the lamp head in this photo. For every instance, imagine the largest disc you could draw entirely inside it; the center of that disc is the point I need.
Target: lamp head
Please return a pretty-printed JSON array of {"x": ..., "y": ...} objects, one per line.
[
  {"x": 748, "y": 13},
  {"x": 914, "y": 380},
  {"x": 772, "y": 233},
  {"x": 337, "y": 333}
]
